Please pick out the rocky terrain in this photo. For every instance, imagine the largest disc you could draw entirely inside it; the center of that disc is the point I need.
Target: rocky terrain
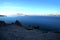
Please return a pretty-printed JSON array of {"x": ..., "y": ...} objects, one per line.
[{"x": 16, "y": 31}]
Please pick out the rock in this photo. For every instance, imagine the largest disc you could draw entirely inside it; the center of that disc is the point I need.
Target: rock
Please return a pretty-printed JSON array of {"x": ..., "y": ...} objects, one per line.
[
  {"x": 12, "y": 23},
  {"x": 36, "y": 27},
  {"x": 2, "y": 23},
  {"x": 30, "y": 27},
  {"x": 18, "y": 23}
]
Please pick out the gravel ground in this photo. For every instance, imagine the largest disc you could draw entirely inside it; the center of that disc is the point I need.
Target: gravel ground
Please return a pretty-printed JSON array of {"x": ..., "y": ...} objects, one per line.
[{"x": 14, "y": 32}]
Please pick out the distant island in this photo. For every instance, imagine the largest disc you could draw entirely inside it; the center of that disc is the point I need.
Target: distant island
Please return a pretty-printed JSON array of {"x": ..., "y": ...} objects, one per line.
[{"x": 3, "y": 16}]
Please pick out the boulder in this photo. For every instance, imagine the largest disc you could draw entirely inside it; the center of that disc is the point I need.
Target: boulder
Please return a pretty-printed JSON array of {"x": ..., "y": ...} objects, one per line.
[
  {"x": 12, "y": 23},
  {"x": 32, "y": 27},
  {"x": 36, "y": 27},
  {"x": 2, "y": 23},
  {"x": 29, "y": 27},
  {"x": 18, "y": 23}
]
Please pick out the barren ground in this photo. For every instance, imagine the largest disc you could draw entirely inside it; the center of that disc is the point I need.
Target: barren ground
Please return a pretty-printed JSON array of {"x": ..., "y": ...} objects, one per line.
[{"x": 14, "y": 32}]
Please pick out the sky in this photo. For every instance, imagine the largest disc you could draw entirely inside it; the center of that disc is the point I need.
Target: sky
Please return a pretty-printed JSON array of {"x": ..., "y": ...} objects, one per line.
[{"x": 29, "y": 7}]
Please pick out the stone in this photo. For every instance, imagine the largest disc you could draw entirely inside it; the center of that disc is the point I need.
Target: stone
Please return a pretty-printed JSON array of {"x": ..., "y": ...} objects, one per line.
[
  {"x": 36, "y": 27},
  {"x": 30, "y": 27}
]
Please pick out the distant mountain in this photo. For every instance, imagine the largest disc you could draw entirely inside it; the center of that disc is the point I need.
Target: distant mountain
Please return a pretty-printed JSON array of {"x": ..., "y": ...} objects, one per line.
[
  {"x": 21, "y": 14},
  {"x": 3, "y": 16}
]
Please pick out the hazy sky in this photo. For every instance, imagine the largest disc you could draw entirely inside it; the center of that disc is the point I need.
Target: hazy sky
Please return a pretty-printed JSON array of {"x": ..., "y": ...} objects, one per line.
[{"x": 31, "y": 7}]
